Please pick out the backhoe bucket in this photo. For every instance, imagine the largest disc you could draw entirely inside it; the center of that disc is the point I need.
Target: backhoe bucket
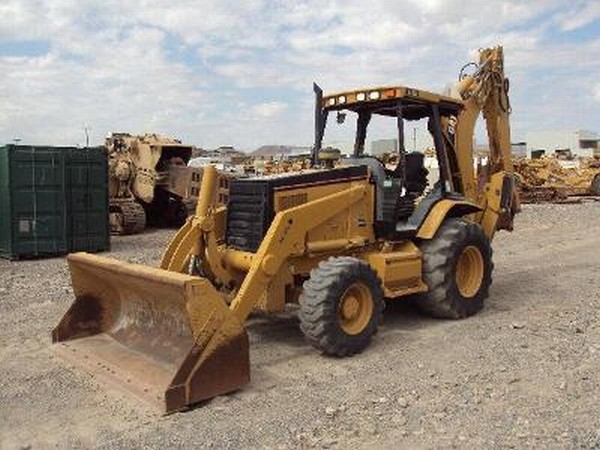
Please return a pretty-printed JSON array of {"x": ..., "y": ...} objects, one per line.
[{"x": 166, "y": 337}]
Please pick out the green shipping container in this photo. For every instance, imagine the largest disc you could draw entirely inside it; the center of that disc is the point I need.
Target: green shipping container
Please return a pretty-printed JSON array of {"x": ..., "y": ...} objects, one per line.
[{"x": 53, "y": 200}]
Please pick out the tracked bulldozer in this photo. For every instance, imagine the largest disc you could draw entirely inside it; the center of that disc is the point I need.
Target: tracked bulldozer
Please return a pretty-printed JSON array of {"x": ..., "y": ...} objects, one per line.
[
  {"x": 149, "y": 182},
  {"x": 339, "y": 241}
]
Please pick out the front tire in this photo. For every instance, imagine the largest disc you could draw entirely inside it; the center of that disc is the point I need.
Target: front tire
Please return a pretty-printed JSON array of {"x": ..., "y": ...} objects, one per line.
[
  {"x": 457, "y": 268},
  {"x": 341, "y": 306}
]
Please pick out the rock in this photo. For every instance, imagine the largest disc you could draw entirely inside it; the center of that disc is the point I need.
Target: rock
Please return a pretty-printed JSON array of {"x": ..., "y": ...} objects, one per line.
[
  {"x": 330, "y": 411},
  {"x": 302, "y": 437},
  {"x": 402, "y": 402},
  {"x": 220, "y": 400},
  {"x": 399, "y": 420},
  {"x": 371, "y": 428},
  {"x": 517, "y": 325},
  {"x": 329, "y": 442}
]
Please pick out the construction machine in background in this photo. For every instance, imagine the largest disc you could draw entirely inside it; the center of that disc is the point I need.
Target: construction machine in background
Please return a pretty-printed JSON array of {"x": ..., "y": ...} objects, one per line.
[
  {"x": 550, "y": 179},
  {"x": 338, "y": 241},
  {"x": 149, "y": 182}
]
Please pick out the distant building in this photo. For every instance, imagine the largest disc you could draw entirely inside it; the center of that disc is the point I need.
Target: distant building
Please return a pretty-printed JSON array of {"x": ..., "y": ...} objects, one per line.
[
  {"x": 579, "y": 143},
  {"x": 519, "y": 148},
  {"x": 417, "y": 139},
  {"x": 381, "y": 146},
  {"x": 281, "y": 151},
  {"x": 345, "y": 147},
  {"x": 297, "y": 151}
]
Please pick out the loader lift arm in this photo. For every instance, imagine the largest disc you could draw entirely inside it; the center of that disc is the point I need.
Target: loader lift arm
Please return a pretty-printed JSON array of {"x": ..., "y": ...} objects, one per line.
[{"x": 285, "y": 238}]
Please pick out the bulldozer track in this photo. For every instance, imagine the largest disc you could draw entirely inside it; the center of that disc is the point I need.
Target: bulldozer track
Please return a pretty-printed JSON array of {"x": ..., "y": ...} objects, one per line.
[{"x": 127, "y": 217}]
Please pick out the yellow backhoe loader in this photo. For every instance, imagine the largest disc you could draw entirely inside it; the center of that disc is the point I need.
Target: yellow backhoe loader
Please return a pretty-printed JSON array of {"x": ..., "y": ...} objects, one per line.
[{"x": 339, "y": 241}]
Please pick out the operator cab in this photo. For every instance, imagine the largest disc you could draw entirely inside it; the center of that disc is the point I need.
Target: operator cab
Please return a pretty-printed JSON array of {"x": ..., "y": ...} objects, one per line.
[{"x": 398, "y": 214}]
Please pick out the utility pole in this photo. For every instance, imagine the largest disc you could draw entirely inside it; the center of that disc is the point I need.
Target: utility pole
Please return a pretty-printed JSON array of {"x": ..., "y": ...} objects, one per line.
[
  {"x": 17, "y": 140},
  {"x": 87, "y": 136},
  {"x": 414, "y": 139}
]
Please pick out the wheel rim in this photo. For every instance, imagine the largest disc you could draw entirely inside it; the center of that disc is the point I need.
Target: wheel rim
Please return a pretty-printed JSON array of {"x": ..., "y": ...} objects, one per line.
[
  {"x": 355, "y": 308},
  {"x": 469, "y": 271}
]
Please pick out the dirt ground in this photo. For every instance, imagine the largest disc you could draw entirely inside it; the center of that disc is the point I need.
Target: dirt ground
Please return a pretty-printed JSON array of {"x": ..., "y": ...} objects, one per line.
[{"x": 523, "y": 373}]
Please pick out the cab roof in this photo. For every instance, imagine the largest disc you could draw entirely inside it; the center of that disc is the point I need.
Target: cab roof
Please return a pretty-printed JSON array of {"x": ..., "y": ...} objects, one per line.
[{"x": 383, "y": 100}]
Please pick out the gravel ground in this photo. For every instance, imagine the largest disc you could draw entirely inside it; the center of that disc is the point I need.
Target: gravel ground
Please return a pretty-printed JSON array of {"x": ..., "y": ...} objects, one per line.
[{"x": 523, "y": 373}]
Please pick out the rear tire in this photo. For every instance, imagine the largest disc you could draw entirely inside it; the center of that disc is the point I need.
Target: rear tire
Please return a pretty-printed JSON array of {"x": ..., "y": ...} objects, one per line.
[
  {"x": 341, "y": 306},
  {"x": 595, "y": 187},
  {"x": 457, "y": 268}
]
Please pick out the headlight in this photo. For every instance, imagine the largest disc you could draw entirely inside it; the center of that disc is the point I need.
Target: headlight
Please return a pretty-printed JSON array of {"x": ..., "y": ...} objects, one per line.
[
  {"x": 331, "y": 101},
  {"x": 374, "y": 95},
  {"x": 361, "y": 97},
  {"x": 342, "y": 99}
]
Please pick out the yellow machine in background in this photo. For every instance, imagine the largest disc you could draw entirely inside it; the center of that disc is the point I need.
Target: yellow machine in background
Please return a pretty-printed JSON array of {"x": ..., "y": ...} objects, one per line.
[
  {"x": 338, "y": 241},
  {"x": 149, "y": 181},
  {"x": 546, "y": 179}
]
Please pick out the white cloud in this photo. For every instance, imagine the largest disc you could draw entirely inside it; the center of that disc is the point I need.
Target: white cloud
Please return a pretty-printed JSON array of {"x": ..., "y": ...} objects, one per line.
[
  {"x": 269, "y": 109},
  {"x": 580, "y": 17},
  {"x": 596, "y": 92},
  {"x": 124, "y": 84},
  {"x": 184, "y": 68}
]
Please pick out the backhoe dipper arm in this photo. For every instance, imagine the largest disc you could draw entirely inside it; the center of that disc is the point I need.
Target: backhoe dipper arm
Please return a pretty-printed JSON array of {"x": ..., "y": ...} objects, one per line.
[
  {"x": 286, "y": 237},
  {"x": 487, "y": 91}
]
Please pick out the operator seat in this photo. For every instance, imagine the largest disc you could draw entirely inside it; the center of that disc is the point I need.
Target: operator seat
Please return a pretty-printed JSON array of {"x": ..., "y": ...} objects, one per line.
[
  {"x": 416, "y": 173},
  {"x": 395, "y": 211},
  {"x": 378, "y": 171}
]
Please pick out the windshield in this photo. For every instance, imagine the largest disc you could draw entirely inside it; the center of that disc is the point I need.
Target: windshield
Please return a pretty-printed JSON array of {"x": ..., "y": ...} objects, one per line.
[{"x": 382, "y": 137}]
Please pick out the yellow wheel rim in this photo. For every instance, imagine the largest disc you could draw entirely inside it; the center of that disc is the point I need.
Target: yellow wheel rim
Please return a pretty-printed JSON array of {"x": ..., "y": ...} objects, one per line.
[
  {"x": 469, "y": 271},
  {"x": 355, "y": 308}
]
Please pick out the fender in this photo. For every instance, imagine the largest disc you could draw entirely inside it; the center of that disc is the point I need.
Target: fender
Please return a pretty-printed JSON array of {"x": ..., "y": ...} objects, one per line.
[{"x": 441, "y": 210}]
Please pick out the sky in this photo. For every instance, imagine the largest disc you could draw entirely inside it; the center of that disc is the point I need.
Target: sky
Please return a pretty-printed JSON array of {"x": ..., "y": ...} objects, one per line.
[{"x": 221, "y": 72}]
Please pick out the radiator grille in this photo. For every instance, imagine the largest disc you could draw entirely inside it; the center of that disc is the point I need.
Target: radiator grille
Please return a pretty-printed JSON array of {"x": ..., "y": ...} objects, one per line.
[
  {"x": 289, "y": 201},
  {"x": 248, "y": 215}
]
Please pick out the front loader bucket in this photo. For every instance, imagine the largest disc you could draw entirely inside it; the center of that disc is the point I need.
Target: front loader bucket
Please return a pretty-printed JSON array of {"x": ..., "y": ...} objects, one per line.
[{"x": 166, "y": 337}]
